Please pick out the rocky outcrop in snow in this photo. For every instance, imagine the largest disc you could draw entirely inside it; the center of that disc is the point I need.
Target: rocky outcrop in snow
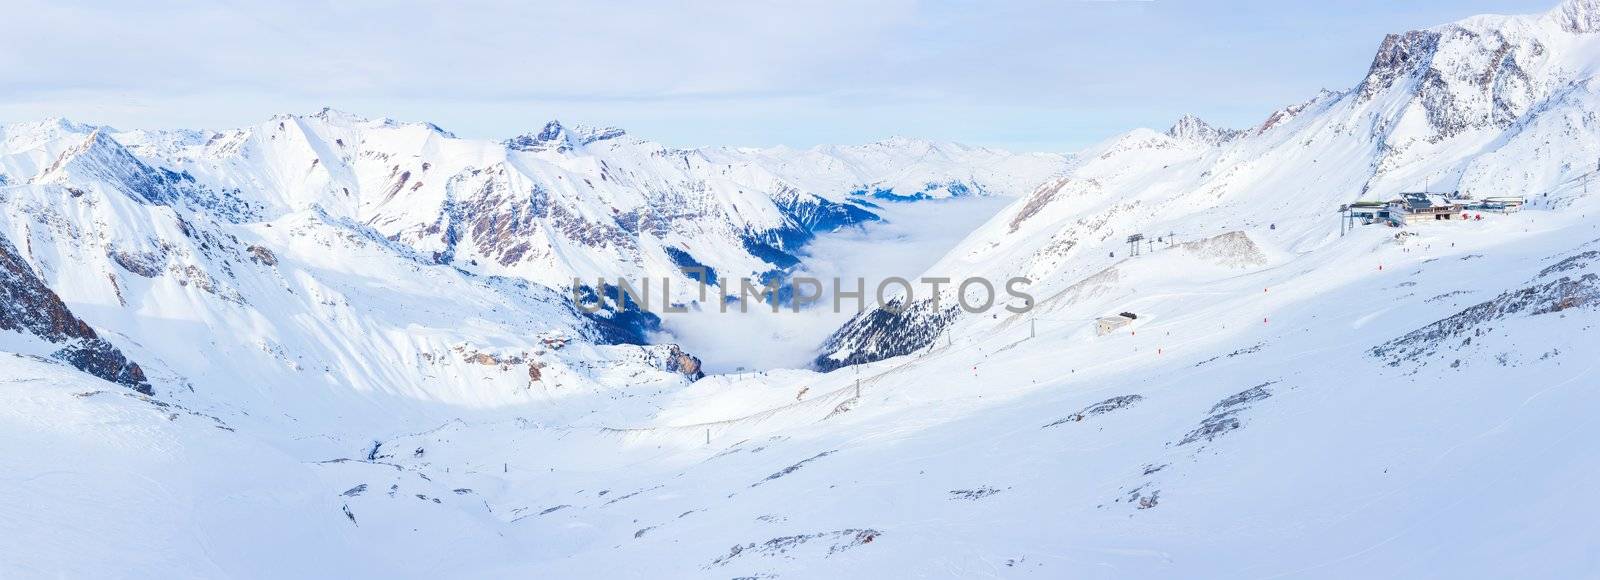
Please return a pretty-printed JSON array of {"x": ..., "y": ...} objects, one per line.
[
  {"x": 1458, "y": 330},
  {"x": 1195, "y": 129},
  {"x": 27, "y": 305}
]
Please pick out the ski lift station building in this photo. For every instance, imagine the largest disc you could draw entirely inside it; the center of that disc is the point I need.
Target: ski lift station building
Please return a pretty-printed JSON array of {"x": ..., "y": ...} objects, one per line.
[
  {"x": 1437, "y": 206},
  {"x": 1370, "y": 212},
  {"x": 1503, "y": 204},
  {"x": 1109, "y": 324}
]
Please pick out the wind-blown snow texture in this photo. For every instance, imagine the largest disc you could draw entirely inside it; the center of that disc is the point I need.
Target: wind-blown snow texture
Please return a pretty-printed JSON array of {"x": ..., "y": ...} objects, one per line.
[{"x": 339, "y": 390}]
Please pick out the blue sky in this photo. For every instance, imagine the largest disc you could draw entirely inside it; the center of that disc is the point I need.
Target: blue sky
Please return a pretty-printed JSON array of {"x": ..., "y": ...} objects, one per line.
[{"x": 1030, "y": 75}]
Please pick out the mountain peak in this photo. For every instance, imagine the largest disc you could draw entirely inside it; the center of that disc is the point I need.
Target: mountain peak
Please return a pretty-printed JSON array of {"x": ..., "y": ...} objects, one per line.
[
  {"x": 339, "y": 118},
  {"x": 1398, "y": 56},
  {"x": 99, "y": 157},
  {"x": 68, "y": 125},
  {"x": 28, "y": 134},
  {"x": 906, "y": 143},
  {"x": 552, "y": 131},
  {"x": 96, "y": 143},
  {"x": 561, "y": 138},
  {"x": 1195, "y": 129},
  {"x": 901, "y": 141}
]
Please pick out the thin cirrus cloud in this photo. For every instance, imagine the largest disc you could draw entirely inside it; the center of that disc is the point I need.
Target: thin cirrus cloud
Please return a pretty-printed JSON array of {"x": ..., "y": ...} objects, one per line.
[{"x": 1042, "y": 75}]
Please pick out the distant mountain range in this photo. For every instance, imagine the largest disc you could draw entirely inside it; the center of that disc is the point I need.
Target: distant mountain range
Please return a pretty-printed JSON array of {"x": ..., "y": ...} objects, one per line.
[{"x": 331, "y": 346}]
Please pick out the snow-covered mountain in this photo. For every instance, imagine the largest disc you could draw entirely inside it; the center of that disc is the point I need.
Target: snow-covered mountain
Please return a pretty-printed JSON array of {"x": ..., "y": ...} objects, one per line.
[
  {"x": 327, "y": 276},
  {"x": 210, "y": 227},
  {"x": 340, "y": 392},
  {"x": 1488, "y": 106},
  {"x": 567, "y": 202}
]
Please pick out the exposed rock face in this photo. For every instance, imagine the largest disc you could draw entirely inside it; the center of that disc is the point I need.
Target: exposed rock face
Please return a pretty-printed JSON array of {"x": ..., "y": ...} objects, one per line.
[
  {"x": 497, "y": 214},
  {"x": 100, "y": 157},
  {"x": 28, "y": 305},
  {"x": 262, "y": 255},
  {"x": 683, "y": 363},
  {"x": 147, "y": 264},
  {"x": 1469, "y": 75},
  {"x": 1399, "y": 56},
  {"x": 1568, "y": 283},
  {"x": 1548, "y": 297},
  {"x": 1224, "y": 415},
  {"x": 837, "y": 541},
  {"x": 1041, "y": 198},
  {"x": 1100, "y": 408}
]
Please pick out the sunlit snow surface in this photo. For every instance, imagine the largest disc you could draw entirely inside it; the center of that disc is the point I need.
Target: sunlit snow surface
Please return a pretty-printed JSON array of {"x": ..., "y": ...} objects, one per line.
[
  {"x": 959, "y": 463},
  {"x": 1290, "y": 402}
]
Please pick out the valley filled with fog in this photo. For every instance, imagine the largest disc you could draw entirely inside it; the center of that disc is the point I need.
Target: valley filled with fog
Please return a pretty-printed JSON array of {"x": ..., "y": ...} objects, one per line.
[{"x": 911, "y": 237}]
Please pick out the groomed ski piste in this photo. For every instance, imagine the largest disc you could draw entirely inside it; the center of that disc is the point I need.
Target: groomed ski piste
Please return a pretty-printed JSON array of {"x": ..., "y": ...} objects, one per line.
[{"x": 1297, "y": 397}]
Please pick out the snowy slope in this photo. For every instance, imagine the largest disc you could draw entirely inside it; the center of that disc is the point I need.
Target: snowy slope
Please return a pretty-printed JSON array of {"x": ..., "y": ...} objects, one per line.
[
  {"x": 1305, "y": 447},
  {"x": 1290, "y": 402},
  {"x": 107, "y": 482},
  {"x": 34, "y": 320},
  {"x": 309, "y": 314},
  {"x": 313, "y": 251},
  {"x": 1484, "y": 107}
]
